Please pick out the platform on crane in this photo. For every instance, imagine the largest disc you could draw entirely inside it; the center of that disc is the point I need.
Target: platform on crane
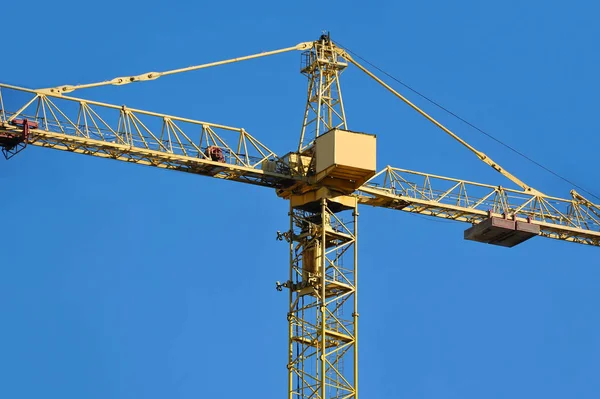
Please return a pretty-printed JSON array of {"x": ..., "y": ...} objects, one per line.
[{"x": 501, "y": 231}]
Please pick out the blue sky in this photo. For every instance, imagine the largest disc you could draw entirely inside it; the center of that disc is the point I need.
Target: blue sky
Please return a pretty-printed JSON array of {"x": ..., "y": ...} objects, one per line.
[{"x": 124, "y": 281}]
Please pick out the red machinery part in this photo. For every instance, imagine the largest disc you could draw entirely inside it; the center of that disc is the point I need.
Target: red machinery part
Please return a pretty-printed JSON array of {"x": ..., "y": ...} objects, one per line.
[
  {"x": 215, "y": 154},
  {"x": 11, "y": 141}
]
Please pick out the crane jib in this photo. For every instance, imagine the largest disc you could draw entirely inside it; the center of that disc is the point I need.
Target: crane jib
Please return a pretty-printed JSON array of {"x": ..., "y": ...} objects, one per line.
[{"x": 225, "y": 152}]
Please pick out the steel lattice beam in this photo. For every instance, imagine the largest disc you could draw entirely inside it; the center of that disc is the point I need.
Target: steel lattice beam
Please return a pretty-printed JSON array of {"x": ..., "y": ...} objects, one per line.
[
  {"x": 323, "y": 316},
  {"x": 142, "y": 137},
  {"x": 576, "y": 220}
]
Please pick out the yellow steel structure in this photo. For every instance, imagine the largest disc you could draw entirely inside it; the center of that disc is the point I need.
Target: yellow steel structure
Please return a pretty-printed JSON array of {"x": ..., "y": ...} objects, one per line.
[
  {"x": 155, "y": 75},
  {"x": 322, "y": 64},
  {"x": 323, "y": 313},
  {"x": 325, "y": 180}
]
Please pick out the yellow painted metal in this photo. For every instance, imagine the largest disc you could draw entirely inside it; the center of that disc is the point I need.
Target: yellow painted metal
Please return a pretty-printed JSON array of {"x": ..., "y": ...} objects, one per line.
[
  {"x": 119, "y": 81},
  {"x": 322, "y": 338},
  {"x": 142, "y": 137},
  {"x": 347, "y": 157},
  {"x": 594, "y": 208},
  {"x": 350, "y": 149},
  {"x": 323, "y": 316},
  {"x": 576, "y": 220},
  {"x": 291, "y": 275},
  {"x": 323, "y": 343},
  {"x": 166, "y": 141},
  {"x": 324, "y": 105},
  {"x": 355, "y": 314},
  {"x": 479, "y": 154}
]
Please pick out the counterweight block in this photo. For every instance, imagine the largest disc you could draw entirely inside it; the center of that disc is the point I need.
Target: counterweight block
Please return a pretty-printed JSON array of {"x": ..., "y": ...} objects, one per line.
[{"x": 503, "y": 232}]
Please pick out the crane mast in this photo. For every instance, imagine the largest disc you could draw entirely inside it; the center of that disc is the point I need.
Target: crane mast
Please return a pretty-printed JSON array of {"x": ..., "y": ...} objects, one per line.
[
  {"x": 332, "y": 171},
  {"x": 323, "y": 312},
  {"x": 323, "y": 244}
]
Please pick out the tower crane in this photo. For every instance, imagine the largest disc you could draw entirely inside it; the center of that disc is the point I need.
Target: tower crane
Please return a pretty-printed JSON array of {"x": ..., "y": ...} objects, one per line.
[{"x": 325, "y": 179}]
